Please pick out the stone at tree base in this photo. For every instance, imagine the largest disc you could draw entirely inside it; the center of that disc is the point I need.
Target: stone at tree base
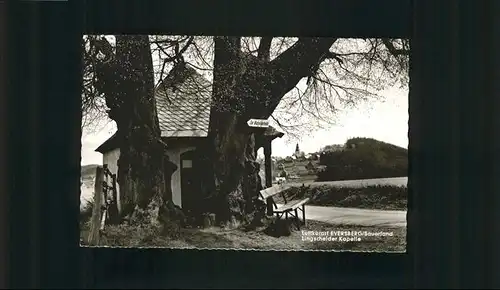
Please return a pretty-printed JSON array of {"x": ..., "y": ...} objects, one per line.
[
  {"x": 190, "y": 221},
  {"x": 279, "y": 228},
  {"x": 232, "y": 224},
  {"x": 212, "y": 217},
  {"x": 208, "y": 220}
]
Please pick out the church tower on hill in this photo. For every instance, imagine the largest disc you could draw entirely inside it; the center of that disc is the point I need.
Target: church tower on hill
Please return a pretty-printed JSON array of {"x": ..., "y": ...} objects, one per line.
[{"x": 298, "y": 153}]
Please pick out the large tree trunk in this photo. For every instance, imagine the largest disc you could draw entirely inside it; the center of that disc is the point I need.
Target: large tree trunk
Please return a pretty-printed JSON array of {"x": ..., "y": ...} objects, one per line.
[
  {"x": 235, "y": 170},
  {"x": 128, "y": 84},
  {"x": 236, "y": 173},
  {"x": 245, "y": 87}
]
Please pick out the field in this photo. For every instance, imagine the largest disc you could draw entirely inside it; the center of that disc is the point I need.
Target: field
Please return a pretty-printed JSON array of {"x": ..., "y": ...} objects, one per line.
[
  {"x": 297, "y": 168},
  {"x": 87, "y": 184},
  {"x": 353, "y": 195},
  {"x": 392, "y": 181}
]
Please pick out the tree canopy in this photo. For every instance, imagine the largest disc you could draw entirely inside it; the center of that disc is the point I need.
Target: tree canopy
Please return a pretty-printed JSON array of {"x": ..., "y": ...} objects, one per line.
[{"x": 352, "y": 72}]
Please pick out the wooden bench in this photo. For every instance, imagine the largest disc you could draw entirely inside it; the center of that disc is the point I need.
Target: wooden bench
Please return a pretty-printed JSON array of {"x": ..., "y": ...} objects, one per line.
[{"x": 290, "y": 207}]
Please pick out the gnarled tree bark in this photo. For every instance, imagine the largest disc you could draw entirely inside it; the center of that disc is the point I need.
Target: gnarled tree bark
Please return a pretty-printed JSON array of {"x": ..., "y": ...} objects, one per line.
[
  {"x": 245, "y": 87},
  {"x": 127, "y": 81}
]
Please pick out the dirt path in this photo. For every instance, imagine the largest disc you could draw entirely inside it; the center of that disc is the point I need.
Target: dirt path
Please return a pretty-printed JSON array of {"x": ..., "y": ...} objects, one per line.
[{"x": 354, "y": 216}]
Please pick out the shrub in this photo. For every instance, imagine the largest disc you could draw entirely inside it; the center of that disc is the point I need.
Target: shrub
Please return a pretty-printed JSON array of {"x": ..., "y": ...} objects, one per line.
[
  {"x": 372, "y": 197},
  {"x": 364, "y": 158}
]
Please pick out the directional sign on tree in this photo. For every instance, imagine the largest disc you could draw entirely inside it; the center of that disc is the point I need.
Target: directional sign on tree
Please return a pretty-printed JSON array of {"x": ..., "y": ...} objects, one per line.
[{"x": 259, "y": 123}]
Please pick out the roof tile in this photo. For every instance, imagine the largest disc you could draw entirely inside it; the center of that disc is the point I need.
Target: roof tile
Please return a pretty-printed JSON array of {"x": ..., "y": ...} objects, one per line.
[{"x": 184, "y": 108}]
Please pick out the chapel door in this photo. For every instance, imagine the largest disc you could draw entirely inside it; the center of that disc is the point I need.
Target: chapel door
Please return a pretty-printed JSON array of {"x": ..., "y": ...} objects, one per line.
[{"x": 190, "y": 181}]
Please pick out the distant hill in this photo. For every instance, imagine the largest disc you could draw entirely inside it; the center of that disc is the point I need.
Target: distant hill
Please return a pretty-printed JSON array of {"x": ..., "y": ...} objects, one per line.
[
  {"x": 88, "y": 170},
  {"x": 334, "y": 147},
  {"x": 364, "y": 158},
  {"x": 87, "y": 184}
]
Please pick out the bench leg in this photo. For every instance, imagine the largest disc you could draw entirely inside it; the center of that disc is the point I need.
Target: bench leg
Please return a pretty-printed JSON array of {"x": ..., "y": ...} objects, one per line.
[
  {"x": 304, "y": 214},
  {"x": 297, "y": 220},
  {"x": 269, "y": 206}
]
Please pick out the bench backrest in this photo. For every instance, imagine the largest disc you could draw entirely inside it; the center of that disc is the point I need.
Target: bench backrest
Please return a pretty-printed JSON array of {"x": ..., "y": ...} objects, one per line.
[
  {"x": 272, "y": 191},
  {"x": 279, "y": 189}
]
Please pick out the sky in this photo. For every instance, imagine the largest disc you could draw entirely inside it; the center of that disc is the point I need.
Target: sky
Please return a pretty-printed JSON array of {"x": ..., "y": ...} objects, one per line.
[{"x": 385, "y": 120}]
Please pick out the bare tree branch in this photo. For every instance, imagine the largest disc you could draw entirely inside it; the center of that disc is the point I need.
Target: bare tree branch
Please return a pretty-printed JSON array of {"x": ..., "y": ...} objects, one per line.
[
  {"x": 264, "y": 52},
  {"x": 176, "y": 56},
  {"x": 333, "y": 55},
  {"x": 200, "y": 55},
  {"x": 342, "y": 73},
  {"x": 394, "y": 51},
  {"x": 300, "y": 60}
]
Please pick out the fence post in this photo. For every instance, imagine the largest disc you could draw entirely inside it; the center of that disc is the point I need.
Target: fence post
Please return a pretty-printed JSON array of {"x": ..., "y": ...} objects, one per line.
[
  {"x": 114, "y": 215},
  {"x": 111, "y": 197},
  {"x": 95, "y": 222}
]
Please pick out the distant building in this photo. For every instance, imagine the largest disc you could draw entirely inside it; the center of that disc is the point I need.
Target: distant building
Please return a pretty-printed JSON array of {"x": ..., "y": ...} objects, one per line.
[
  {"x": 298, "y": 154},
  {"x": 313, "y": 156},
  {"x": 310, "y": 166},
  {"x": 311, "y": 169},
  {"x": 283, "y": 173}
]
